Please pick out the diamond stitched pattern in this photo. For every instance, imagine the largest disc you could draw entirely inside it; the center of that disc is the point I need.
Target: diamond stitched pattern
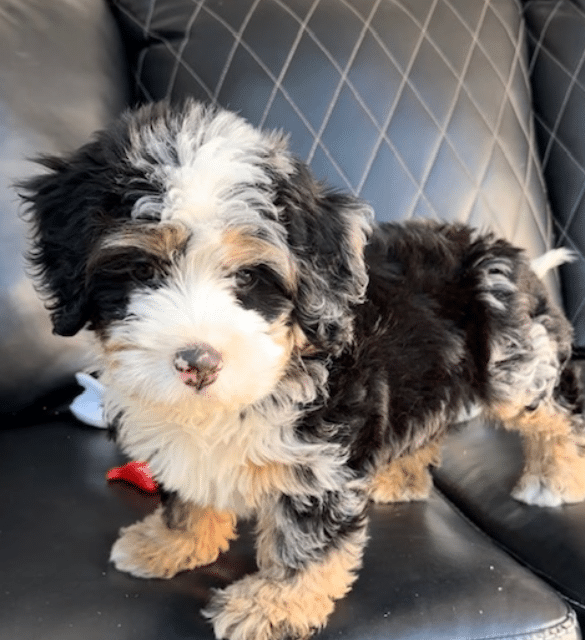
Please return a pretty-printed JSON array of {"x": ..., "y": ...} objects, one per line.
[
  {"x": 420, "y": 107},
  {"x": 556, "y": 37}
]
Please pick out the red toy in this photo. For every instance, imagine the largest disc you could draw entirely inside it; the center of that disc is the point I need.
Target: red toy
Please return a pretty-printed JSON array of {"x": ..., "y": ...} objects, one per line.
[{"x": 136, "y": 473}]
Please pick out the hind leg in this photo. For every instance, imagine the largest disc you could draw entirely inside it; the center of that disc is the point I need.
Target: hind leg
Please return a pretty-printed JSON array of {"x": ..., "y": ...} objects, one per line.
[
  {"x": 406, "y": 478},
  {"x": 554, "y": 472},
  {"x": 553, "y": 438},
  {"x": 529, "y": 382},
  {"x": 537, "y": 392}
]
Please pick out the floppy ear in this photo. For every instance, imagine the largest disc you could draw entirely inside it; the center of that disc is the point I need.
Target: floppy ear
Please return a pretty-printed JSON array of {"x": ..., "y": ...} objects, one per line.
[
  {"x": 64, "y": 206},
  {"x": 327, "y": 232},
  {"x": 59, "y": 242}
]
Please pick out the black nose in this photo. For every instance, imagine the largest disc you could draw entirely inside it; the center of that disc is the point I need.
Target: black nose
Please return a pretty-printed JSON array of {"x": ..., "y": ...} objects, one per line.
[{"x": 198, "y": 365}]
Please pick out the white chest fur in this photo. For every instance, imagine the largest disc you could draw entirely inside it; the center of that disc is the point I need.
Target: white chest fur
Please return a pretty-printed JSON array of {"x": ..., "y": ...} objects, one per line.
[{"x": 211, "y": 462}]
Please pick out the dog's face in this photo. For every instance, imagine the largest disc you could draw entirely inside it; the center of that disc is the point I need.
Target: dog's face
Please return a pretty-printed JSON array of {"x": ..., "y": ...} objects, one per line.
[{"x": 204, "y": 257}]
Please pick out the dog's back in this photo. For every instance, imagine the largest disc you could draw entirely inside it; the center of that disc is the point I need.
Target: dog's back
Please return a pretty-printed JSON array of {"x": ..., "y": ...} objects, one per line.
[{"x": 452, "y": 318}]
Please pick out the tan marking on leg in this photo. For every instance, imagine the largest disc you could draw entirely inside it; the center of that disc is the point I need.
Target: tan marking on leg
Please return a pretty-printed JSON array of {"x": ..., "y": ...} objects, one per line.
[
  {"x": 554, "y": 457},
  {"x": 149, "y": 549},
  {"x": 407, "y": 478},
  {"x": 547, "y": 418},
  {"x": 270, "y": 606},
  {"x": 554, "y": 471}
]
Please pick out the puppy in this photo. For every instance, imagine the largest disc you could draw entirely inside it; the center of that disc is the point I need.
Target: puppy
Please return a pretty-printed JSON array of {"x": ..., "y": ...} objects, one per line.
[{"x": 272, "y": 352}]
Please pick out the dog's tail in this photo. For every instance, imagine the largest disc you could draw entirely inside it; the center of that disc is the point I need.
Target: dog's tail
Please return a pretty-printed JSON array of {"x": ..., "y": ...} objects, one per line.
[{"x": 551, "y": 260}]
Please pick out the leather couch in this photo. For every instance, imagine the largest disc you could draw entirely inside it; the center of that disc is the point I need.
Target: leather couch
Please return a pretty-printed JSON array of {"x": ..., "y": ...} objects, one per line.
[{"x": 465, "y": 110}]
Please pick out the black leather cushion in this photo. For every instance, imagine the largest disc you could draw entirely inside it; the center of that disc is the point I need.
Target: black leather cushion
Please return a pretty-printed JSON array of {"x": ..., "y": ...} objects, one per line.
[
  {"x": 420, "y": 106},
  {"x": 556, "y": 35},
  {"x": 427, "y": 572},
  {"x": 480, "y": 468},
  {"x": 60, "y": 79}
]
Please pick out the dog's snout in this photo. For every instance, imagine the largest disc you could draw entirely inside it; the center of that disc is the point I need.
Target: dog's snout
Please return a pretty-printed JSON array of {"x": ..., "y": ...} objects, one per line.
[{"x": 198, "y": 365}]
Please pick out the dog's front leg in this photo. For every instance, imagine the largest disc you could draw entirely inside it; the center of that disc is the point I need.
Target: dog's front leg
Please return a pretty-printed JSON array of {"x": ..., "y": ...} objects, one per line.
[
  {"x": 178, "y": 536},
  {"x": 308, "y": 551}
]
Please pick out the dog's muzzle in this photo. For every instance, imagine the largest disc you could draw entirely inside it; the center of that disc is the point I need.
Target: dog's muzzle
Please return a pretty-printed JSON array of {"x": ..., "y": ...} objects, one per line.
[{"x": 198, "y": 365}]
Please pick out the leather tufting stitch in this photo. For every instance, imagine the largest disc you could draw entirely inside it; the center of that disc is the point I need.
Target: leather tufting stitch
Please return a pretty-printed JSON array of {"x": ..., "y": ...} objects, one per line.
[
  {"x": 556, "y": 37},
  {"x": 421, "y": 107}
]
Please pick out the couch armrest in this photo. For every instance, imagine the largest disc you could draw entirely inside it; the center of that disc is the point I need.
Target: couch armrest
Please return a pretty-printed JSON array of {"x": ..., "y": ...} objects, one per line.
[{"x": 62, "y": 75}]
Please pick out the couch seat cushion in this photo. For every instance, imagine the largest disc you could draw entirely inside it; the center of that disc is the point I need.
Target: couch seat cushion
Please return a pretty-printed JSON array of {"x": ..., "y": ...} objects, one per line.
[{"x": 427, "y": 572}]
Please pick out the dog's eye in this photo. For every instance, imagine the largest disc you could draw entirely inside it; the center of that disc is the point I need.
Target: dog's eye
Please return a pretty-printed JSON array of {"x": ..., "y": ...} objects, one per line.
[
  {"x": 257, "y": 277},
  {"x": 260, "y": 288},
  {"x": 144, "y": 271},
  {"x": 244, "y": 279}
]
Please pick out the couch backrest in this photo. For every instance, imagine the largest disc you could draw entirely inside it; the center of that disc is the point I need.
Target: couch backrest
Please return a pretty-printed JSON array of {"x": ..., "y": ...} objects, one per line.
[{"x": 422, "y": 107}]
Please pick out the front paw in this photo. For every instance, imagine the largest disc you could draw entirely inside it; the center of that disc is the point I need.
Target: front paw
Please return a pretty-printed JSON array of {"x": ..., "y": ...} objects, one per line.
[
  {"x": 256, "y": 608},
  {"x": 141, "y": 550},
  {"x": 150, "y": 549}
]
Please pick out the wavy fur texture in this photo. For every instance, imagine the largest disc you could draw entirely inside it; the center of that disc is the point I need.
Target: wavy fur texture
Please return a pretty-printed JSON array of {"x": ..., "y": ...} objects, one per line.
[{"x": 273, "y": 353}]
